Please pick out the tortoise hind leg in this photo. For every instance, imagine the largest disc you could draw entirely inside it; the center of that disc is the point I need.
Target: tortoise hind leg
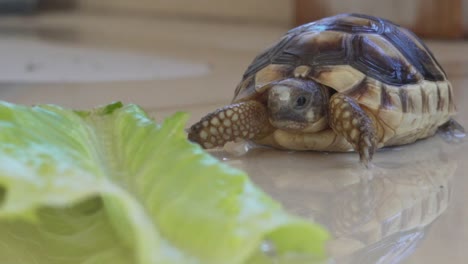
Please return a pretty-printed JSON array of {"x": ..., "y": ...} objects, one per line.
[
  {"x": 352, "y": 122},
  {"x": 452, "y": 131}
]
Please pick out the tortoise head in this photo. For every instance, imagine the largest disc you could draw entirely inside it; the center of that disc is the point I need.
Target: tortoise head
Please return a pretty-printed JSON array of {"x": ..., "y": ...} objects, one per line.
[
  {"x": 291, "y": 104},
  {"x": 298, "y": 105}
]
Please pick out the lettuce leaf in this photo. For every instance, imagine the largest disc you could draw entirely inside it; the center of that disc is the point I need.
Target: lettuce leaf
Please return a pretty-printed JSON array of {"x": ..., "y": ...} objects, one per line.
[{"x": 110, "y": 185}]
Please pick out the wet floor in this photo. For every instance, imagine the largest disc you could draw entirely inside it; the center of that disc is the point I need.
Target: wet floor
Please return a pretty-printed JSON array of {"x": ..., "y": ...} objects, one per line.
[{"x": 410, "y": 208}]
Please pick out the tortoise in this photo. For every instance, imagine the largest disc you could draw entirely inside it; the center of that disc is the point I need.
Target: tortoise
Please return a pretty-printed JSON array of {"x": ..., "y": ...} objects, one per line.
[{"x": 342, "y": 83}]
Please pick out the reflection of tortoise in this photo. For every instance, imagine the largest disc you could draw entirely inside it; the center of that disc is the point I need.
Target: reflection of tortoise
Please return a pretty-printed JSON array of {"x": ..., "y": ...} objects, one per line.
[{"x": 337, "y": 84}]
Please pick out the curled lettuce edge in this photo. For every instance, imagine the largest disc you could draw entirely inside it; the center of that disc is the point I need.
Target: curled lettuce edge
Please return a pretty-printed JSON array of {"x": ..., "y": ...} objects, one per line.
[{"x": 167, "y": 200}]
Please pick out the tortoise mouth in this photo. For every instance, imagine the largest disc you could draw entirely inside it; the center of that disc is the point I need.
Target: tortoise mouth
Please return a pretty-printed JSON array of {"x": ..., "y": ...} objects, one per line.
[
  {"x": 288, "y": 125},
  {"x": 295, "y": 126}
]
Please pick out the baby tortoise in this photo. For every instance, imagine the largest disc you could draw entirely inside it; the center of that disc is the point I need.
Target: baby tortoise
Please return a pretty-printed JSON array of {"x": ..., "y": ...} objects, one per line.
[{"x": 347, "y": 82}]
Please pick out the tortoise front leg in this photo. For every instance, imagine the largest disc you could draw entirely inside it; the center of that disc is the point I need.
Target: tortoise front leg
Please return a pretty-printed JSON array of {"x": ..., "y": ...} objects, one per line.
[
  {"x": 359, "y": 127},
  {"x": 245, "y": 120}
]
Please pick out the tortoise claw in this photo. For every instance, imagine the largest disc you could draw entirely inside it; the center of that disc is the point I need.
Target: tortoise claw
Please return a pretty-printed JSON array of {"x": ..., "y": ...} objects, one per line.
[{"x": 366, "y": 148}]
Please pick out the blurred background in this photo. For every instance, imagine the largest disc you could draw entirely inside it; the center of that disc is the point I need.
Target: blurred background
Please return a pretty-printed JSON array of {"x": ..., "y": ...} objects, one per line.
[{"x": 428, "y": 18}]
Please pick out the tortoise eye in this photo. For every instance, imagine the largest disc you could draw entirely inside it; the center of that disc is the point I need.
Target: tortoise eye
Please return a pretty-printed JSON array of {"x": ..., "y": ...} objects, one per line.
[{"x": 301, "y": 101}]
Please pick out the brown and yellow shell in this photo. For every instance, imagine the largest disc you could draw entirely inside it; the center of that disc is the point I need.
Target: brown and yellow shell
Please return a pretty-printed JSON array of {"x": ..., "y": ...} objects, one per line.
[
  {"x": 385, "y": 67},
  {"x": 341, "y": 52}
]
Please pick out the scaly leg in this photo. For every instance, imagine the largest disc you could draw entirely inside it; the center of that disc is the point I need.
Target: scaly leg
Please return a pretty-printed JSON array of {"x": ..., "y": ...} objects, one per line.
[
  {"x": 245, "y": 120},
  {"x": 348, "y": 119}
]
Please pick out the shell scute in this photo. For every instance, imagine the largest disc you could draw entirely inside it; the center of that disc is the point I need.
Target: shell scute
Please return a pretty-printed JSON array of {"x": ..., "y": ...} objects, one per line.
[
  {"x": 375, "y": 47},
  {"x": 380, "y": 60}
]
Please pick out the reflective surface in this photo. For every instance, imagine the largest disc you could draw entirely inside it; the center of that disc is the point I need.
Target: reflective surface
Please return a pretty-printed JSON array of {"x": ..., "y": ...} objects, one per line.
[
  {"x": 379, "y": 215},
  {"x": 410, "y": 208},
  {"x": 31, "y": 63}
]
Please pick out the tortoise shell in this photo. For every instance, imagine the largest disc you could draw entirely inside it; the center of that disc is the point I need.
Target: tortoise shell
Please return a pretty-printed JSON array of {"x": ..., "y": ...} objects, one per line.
[{"x": 343, "y": 52}]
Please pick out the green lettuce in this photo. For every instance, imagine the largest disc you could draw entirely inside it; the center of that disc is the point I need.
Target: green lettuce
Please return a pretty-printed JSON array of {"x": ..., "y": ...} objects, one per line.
[{"x": 110, "y": 185}]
